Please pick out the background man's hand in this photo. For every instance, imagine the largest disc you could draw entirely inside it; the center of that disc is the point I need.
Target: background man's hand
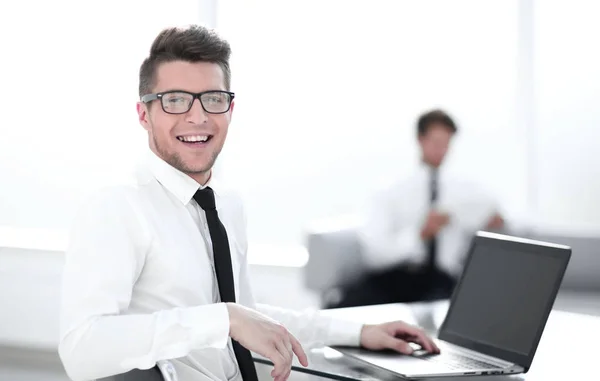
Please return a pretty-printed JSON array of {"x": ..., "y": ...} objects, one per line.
[
  {"x": 396, "y": 336},
  {"x": 495, "y": 223},
  {"x": 434, "y": 223},
  {"x": 261, "y": 334}
]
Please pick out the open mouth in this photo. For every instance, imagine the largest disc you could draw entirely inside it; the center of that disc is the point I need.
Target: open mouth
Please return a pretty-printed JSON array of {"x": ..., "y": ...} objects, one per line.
[{"x": 195, "y": 140}]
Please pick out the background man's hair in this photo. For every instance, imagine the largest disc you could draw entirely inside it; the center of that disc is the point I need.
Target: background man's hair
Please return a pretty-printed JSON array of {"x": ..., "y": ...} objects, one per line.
[{"x": 435, "y": 117}]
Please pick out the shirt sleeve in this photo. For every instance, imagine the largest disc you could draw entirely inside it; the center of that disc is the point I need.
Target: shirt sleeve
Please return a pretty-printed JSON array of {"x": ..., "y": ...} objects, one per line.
[
  {"x": 473, "y": 208},
  {"x": 311, "y": 328},
  {"x": 98, "y": 338}
]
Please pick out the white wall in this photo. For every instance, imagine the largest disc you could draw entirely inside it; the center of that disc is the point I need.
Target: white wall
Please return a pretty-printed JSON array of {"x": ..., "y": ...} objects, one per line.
[
  {"x": 567, "y": 127},
  {"x": 29, "y": 296},
  {"x": 520, "y": 77},
  {"x": 328, "y": 93},
  {"x": 303, "y": 144},
  {"x": 69, "y": 89}
]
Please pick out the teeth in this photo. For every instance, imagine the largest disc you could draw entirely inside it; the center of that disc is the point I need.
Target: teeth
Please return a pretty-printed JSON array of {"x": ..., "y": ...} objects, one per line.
[{"x": 195, "y": 138}]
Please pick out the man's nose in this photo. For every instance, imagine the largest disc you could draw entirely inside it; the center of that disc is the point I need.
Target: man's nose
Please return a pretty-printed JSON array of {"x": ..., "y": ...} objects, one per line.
[{"x": 196, "y": 114}]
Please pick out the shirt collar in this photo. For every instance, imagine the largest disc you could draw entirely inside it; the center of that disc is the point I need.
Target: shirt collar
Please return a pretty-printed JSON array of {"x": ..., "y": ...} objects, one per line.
[
  {"x": 182, "y": 186},
  {"x": 423, "y": 166}
]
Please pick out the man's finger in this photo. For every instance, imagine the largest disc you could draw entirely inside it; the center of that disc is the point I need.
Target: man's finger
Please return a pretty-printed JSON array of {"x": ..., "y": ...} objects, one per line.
[
  {"x": 278, "y": 363},
  {"x": 285, "y": 351},
  {"x": 426, "y": 342},
  {"x": 436, "y": 349},
  {"x": 420, "y": 337},
  {"x": 398, "y": 345},
  {"x": 288, "y": 344},
  {"x": 429, "y": 346},
  {"x": 285, "y": 376},
  {"x": 298, "y": 350}
]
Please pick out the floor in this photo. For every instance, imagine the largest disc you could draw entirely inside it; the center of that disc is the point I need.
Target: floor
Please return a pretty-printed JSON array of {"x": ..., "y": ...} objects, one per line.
[{"x": 30, "y": 365}]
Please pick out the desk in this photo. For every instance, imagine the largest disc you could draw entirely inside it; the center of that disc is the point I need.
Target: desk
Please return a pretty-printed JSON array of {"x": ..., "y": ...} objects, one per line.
[{"x": 569, "y": 348}]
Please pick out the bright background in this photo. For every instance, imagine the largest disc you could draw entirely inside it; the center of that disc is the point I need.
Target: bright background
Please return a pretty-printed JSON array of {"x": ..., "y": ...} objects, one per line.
[{"x": 327, "y": 95}]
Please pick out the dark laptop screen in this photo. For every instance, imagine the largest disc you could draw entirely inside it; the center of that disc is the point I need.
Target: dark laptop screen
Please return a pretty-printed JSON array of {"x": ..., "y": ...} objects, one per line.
[{"x": 505, "y": 294}]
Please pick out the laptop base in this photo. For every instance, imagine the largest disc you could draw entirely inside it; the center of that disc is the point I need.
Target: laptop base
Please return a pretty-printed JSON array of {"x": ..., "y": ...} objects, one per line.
[{"x": 418, "y": 367}]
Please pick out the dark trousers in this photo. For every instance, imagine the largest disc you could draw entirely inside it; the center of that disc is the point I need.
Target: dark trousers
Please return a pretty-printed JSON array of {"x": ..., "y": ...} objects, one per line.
[
  {"x": 396, "y": 285},
  {"x": 152, "y": 374}
]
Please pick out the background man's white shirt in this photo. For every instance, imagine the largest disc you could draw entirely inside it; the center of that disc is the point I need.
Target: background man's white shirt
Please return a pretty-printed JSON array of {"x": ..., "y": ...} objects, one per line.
[{"x": 393, "y": 219}]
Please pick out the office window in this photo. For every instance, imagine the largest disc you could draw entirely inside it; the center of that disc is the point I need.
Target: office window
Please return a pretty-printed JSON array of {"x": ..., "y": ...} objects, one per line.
[
  {"x": 69, "y": 85},
  {"x": 567, "y": 128},
  {"x": 328, "y": 93}
]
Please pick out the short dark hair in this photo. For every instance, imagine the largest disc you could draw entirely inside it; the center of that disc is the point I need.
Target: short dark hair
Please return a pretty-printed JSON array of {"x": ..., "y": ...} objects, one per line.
[
  {"x": 432, "y": 117},
  {"x": 193, "y": 43}
]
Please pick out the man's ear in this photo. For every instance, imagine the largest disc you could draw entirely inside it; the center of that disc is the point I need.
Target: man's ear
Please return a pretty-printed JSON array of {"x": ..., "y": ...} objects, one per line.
[
  {"x": 143, "y": 115},
  {"x": 231, "y": 109}
]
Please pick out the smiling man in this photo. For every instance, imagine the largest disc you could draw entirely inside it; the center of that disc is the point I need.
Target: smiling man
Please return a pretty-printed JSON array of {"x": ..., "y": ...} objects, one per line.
[
  {"x": 188, "y": 138},
  {"x": 157, "y": 269}
]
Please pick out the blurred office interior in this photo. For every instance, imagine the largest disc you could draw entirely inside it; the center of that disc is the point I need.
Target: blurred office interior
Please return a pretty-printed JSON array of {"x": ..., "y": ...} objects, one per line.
[{"x": 327, "y": 93}]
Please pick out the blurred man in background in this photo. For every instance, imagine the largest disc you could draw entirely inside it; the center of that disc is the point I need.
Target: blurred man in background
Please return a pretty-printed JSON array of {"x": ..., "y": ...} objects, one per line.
[{"x": 415, "y": 233}]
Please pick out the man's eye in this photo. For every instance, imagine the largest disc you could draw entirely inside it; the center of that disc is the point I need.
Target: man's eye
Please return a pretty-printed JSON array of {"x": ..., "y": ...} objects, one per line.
[{"x": 214, "y": 99}]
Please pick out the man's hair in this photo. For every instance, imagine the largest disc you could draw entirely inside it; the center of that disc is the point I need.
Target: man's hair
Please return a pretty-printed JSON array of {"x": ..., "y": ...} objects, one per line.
[
  {"x": 192, "y": 43},
  {"x": 433, "y": 117}
]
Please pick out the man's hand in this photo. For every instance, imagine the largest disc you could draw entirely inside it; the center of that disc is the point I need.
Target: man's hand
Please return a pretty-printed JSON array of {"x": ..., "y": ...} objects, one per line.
[
  {"x": 495, "y": 223},
  {"x": 396, "y": 336},
  {"x": 261, "y": 334},
  {"x": 435, "y": 222}
]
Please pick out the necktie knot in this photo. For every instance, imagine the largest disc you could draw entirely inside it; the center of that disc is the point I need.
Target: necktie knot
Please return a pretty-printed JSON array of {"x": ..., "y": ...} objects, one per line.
[{"x": 205, "y": 198}]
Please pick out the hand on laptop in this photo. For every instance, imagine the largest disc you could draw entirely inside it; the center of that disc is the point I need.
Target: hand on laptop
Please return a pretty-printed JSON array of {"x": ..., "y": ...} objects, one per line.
[{"x": 396, "y": 335}]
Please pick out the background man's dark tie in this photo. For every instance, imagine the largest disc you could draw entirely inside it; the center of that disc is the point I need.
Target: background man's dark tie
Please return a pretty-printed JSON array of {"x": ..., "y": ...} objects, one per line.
[
  {"x": 222, "y": 258},
  {"x": 432, "y": 243}
]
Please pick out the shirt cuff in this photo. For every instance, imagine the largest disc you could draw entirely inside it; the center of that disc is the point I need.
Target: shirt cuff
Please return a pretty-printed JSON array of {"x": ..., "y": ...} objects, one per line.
[
  {"x": 183, "y": 330},
  {"x": 344, "y": 333},
  {"x": 210, "y": 325}
]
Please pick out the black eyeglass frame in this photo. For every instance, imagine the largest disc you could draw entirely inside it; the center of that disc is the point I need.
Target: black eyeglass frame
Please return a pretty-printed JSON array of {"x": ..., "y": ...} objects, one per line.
[{"x": 151, "y": 97}]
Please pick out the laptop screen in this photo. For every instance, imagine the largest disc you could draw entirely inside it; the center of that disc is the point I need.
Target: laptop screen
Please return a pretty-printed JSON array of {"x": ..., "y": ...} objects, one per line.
[{"x": 505, "y": 295}]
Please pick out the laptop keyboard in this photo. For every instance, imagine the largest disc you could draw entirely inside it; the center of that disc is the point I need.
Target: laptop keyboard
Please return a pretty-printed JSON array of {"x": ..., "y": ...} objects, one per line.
[{"x": 457, "y": 361}]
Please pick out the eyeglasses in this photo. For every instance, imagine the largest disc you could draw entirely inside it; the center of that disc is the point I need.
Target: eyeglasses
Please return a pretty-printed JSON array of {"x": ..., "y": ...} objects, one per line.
[{"x": 180, "y": 102}]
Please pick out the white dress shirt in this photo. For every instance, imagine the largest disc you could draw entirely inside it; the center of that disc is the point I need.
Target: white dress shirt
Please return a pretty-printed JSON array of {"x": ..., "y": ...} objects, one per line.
[
  {"x": 139, "y": 284},
  {"x": 393, "y": 219}
]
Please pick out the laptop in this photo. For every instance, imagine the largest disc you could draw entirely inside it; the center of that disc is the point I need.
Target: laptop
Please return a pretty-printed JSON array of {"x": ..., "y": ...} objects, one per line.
[{"x": 497, "y": 313}]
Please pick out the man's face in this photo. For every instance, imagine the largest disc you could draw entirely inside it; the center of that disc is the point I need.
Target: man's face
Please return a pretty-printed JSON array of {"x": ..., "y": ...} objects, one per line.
[
  {"x": 175, "y": 137},
  {"x": 435, "y": 143}
]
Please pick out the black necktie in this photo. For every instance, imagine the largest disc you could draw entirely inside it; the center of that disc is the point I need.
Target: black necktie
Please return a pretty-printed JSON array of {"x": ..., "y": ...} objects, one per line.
[
  {"x": 222, "y": 258},
  {"x": 432, "y": 244}
]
